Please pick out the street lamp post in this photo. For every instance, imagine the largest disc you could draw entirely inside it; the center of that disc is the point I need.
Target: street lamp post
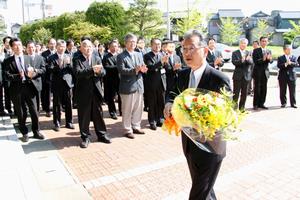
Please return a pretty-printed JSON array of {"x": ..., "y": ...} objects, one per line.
[{"x": 168, "y": 22}]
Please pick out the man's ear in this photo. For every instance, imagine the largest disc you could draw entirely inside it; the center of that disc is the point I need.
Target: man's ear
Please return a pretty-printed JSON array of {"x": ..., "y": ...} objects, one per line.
[{"x": 205, "y": 51}]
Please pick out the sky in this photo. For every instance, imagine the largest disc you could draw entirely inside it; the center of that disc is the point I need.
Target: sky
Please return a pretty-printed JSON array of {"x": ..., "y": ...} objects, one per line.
[{"x": 248, "y": 7}]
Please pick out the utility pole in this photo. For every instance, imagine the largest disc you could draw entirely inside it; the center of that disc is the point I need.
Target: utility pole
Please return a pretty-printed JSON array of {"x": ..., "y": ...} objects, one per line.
[
  {"x": 23, "y": 11},
  {"x": 43, "y": 8},
  {"x": 168, "y": 22}
]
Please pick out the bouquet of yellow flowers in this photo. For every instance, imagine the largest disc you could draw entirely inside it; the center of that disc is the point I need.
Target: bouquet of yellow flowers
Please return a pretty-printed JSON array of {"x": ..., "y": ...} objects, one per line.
[{"x": 207, "y": 112}]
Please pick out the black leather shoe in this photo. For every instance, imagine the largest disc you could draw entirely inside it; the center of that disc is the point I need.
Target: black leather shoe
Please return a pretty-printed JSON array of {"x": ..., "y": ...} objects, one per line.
[
  {"x": 138, "y": 131},
  {"x": 153, "y": 127},
  {"x": 255, "y": 107},
  {"x": 38, "y": 135},
  {"x": 114, "y": 116},
  {"x": 264, "y": 107},
  {"x": 70, "y": 126},
  {"x": 294, "y": 106},
  {"x": 25, "y": 138},
  {"x": 48, "y": 114},
  {"x": 85, "y": 143},
  {"x": 105, "y": 139},
  {"x": 283, "y": 105},
  {"x": 56, "y": 128}
]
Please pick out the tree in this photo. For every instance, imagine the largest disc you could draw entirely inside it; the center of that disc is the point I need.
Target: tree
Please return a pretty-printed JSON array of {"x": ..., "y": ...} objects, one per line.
[
  {"x": 261, "y": 30},
  {"x": 42, "y": 35},
  {"x": 289, "y": 36},
  {"x": 230, "y": 31},
  {"x": 193, "y": 21},
  {"x": 146, "y": 20},
  {"x": 77, "y": 30},
  {"x": 109, "y": 14}
]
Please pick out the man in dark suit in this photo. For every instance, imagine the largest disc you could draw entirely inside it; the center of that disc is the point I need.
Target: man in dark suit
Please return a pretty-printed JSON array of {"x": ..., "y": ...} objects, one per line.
[
  {"x": 261, "y": 58},
  {"x": 214, "y": 57},
  {"x": 25, "y": 83},
  {"x": 242, "y": 73},
  {"x": 46, "y": 78},
  {"x": 89, "y": 93},
  {"x": 287, "y": 76},
  {"x": 172, "y": 64},
  {"x": 61, "y": 84},
  {"x": 112, "y": 79},
  {"x": 4, "y": 84},
  {"x": 203, "y": 166},
  {"x": 131, "y": 67},
  {"x": 156, "y": 80}
]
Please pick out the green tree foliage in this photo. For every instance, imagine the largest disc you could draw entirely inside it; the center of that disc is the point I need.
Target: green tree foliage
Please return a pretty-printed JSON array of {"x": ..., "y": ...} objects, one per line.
[
  {"x": 42, "y": 35},
  {"x": 146, "y": 20},
  {"x": 261, "y": 30},
  {"x": 77, "y": 30},
  {"x": 289, "y": 36},
  {"x": 193, "y": 21},
  {"x": 230, "y": 31}
]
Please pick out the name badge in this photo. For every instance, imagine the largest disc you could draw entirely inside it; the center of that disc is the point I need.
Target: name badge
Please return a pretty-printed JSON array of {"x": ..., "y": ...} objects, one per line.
[{"x": 163, "y": 71}]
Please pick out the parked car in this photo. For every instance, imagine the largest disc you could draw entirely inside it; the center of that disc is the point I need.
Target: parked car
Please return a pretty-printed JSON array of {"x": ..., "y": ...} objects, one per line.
[{"x": 225, "y": 50}]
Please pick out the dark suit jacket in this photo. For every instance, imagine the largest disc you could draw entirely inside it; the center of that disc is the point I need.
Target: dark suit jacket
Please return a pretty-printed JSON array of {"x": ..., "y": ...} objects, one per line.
[
  {"x": 170, "y": 73},
  {"x": 47, "y": 76},
  {"x": 111, "y": 79},
  {"x": 156, "y": 76},
  {"x": 86, "y": 81},
  {"x": 242, "y": 70},
  {"x": 212, "y": 80},
  {"x": 13, "y": 76},
  {"x": 210, "y": 59},
  {"x": 60, "y": 75},
  {"x": 38, "y": 63},
  {"x": 260, "y": 66},
  {"x": 130, "y": 82},
  {"x": 287, "y": 72}
]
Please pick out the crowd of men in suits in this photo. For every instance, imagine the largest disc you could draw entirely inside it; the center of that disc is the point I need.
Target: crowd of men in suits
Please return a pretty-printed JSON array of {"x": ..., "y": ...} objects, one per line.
[{"x": 136, "y": 77}]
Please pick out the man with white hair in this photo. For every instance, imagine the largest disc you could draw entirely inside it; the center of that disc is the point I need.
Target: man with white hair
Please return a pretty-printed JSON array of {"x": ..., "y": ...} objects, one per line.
[
  {"x": 242, "y": 61},
  {"x": 89, "y": 93}
]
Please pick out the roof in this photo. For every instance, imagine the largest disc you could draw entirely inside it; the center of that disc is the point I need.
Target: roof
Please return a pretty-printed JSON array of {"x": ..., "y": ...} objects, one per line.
[
  {"x": 260, "y": 14},
  {"x": 289, "y": 14},
  {"x": 234, "y": 13}
]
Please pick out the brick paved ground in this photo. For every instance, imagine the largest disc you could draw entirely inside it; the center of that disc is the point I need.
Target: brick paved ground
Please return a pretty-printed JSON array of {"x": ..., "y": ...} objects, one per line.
[{"x": 264, "y": 164}]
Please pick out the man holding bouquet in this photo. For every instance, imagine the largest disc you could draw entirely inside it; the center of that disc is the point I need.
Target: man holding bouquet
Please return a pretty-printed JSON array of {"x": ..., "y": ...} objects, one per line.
[{"x": 203, "y": 166}]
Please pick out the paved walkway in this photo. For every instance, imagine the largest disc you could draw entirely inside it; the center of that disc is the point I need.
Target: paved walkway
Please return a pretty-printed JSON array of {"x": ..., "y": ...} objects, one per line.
[{"x": 263, "y": 164}]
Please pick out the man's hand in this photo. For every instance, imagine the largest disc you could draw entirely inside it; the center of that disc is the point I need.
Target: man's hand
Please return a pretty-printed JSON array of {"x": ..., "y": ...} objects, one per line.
[
  {"x": 177, "y": 66},
  {"x": 22, "y": 74},
  {"x": 165, "y": 59},
  {"x": 97, "y": 68},
  {"x": 143, "y": 68},
  {"x": 167, "y": 110},
  {"x": 30, "y": 72}
]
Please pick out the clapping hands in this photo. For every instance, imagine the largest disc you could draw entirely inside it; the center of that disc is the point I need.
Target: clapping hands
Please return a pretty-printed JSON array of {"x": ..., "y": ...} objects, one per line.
[{"x": 97, "y": 68}]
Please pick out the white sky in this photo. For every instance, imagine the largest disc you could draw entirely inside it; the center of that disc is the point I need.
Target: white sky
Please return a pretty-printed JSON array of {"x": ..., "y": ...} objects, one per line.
[{"x": 14, "y": 13}]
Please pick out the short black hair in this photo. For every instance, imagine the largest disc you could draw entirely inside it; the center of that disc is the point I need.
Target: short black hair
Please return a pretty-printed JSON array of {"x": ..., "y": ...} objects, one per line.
[
  {"x": 6, "y": 37},
  {"x": 153, "y": 39},
  {"x": 50, "y": 40},
  {"x": 12, "y": 40},
  {"x": 263, "y": 37},
  {"x": 255, "y": 41},
  {"x": 69, "y": 41},
  {"x": 30, "y": 42},
  {"x": 209, "y": 39}
]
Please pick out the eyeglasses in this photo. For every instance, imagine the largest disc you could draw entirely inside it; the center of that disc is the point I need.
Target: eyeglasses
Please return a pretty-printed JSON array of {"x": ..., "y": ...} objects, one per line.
[{"x": 190, "y": 49}]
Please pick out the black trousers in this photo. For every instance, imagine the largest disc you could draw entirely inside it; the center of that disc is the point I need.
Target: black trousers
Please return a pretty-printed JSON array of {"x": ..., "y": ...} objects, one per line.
[
  {"x": 204, "y": 175},
  {"x": 45, "y": 96},
  {"x": 91, "y": 111},
  {"x": 1, "y": 99},
  {"x": 260, "y": 90},
  {"x": 7, "y": 97},
  {"x": 283, "y": 84},
  {"x": 156, "y": 102},
  {"x": 26, "y": 97},
  {"x": 63, "y": 95},
  {"x": 240, "y": 89}
]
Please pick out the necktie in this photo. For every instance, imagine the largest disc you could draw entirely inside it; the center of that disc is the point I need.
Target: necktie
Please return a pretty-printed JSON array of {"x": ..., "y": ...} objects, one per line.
[
  {"x": 193, "y": 80},
  {"x": 20, "y": 61}
]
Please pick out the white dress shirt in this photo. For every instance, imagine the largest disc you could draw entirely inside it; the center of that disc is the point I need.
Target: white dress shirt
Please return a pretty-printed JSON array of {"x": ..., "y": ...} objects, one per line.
[{"x": 198, "y": 74}]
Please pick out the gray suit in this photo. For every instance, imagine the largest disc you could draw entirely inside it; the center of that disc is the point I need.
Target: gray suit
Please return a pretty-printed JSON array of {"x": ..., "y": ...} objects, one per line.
[
  {"x": 130, "y": 82},
  {"x": 131, "y": 89}
]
